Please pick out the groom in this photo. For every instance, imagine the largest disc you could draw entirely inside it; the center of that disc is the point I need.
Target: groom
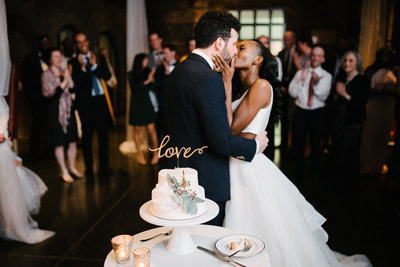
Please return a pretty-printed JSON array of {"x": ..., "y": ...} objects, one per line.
[{"x": 196, "y": 114}]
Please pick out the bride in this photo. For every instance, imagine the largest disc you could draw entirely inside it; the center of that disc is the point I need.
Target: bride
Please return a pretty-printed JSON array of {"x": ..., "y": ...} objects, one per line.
[
  {"x": 20, "y": 189},
  {"x": 264, "y": 203},
  {"x": 20, "y": 192}
]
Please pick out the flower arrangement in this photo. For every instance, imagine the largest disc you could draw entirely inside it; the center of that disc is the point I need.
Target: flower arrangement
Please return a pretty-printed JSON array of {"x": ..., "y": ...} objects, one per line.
[{"x": 184, "y": 195}]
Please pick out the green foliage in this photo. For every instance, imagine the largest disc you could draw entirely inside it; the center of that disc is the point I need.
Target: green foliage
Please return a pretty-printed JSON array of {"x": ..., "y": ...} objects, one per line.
[{"x": 184, "y": 196}]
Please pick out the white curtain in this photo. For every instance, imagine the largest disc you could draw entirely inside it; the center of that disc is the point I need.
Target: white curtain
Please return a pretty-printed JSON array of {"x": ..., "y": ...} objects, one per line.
[
  {"x": 137, "y": 42},
  {"x": 5, "y": 62}
]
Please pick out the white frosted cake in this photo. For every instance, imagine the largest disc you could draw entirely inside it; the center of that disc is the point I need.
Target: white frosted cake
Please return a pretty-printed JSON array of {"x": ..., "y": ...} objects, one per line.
[{"x": 178, "y": 195}]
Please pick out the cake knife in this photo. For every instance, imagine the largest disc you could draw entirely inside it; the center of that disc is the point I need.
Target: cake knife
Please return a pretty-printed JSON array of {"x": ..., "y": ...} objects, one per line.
[{"x": 220, "y": 256}]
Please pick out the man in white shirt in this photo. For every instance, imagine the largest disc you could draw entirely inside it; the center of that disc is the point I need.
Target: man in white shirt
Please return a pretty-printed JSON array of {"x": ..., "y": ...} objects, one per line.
[{"x": 310, "y": 88}]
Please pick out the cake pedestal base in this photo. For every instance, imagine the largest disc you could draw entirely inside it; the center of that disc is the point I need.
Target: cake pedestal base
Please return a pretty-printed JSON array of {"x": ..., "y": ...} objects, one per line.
[{"x": 181, "y": 242}]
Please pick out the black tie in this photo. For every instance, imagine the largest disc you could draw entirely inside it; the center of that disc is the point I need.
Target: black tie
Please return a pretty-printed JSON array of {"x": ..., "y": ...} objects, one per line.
[{"x": 88, "y": 66}]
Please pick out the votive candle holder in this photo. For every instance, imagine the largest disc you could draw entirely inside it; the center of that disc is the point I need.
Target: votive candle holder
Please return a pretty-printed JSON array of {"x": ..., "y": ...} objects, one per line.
[
  {"x": 122, "y": 246},
  {"x": 141, "y": 257}
]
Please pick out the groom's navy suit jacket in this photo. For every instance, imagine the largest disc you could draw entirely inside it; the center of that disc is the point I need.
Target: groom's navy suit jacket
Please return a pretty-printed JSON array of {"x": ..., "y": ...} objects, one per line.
[{"x": 196, "y": 116}]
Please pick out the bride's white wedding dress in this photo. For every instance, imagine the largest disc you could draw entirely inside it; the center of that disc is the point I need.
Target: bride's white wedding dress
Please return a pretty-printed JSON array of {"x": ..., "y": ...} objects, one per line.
[
  {"x": 265, "y": 204},
  {"x": 20, "y": 192}
]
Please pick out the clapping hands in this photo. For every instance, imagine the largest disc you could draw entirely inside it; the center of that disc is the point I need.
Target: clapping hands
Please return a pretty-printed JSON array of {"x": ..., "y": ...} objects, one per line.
[
  {"x": 82, "y": 61},
  {"x": 341, "y": 89},
  {"x": 150, "y": 77}
]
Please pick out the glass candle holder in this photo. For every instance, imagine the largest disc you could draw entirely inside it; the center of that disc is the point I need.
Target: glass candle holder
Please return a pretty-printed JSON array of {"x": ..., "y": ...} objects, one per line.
[
  {"x": 122, "y": 246},
  {"x": 141, "y": 257}
]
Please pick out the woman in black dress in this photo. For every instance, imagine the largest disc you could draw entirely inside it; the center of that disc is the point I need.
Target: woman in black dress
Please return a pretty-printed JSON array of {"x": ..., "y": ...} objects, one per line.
[
  {"x": 143, "y": 104},
  {"x": 352, "y": 91},
  {"x": 379, "y": 112},
  {"x": 56, "y": 85}
]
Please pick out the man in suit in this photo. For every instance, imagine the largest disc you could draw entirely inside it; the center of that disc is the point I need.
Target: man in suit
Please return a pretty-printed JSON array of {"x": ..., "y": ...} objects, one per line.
[
  {"x": 196, "y": 114},
  {"x": 163, "y": 71},
  {"x": 87, "y": 70},
  {"x": 288, "y": 72},
  {"x": 32, "y": 69},
  {"x": 156, "y": 55}
]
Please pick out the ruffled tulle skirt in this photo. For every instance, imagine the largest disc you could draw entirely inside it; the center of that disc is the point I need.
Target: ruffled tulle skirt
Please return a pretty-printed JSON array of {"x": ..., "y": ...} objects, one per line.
[
  {"x": 15, "y": 220},
  {"x": 33, "y": 189},
  {"x": 265, "y": 204}
]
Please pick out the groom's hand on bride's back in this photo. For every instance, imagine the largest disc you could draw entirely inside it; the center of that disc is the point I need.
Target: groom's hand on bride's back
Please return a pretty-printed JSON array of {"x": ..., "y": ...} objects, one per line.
[{"x": 262, "y": 141}]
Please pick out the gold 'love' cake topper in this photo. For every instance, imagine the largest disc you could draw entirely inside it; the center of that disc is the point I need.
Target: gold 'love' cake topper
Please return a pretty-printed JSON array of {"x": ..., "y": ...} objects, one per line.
[{"x": 175, "y": 151}]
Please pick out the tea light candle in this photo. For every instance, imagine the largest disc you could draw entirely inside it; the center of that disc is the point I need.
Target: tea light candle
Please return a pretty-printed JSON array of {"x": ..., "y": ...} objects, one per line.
[
  {"x": 141, "y": 257},
  {"x": 122, "y": 246}
]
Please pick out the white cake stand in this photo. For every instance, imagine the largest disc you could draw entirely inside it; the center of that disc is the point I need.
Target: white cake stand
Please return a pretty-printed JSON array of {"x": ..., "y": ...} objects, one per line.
[{"x": 180, "y": 242}]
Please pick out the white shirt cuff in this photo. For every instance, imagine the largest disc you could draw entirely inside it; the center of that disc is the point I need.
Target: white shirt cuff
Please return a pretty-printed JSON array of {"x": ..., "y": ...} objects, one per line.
[{"x": 256, "y": 146}]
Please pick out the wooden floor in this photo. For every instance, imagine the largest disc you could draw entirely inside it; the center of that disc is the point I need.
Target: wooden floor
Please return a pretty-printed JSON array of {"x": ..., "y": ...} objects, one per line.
[{"x": 85, "y": 216}]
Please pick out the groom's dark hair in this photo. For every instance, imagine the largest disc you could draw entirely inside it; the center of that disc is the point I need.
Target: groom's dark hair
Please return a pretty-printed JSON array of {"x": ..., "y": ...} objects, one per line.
[{"x": 212, "y": 25}]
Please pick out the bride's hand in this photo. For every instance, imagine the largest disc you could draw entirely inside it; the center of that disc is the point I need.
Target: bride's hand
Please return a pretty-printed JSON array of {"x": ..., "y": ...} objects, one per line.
[
  {"x": 222, "y": 66},
  {"x": 2, "y": 138}
]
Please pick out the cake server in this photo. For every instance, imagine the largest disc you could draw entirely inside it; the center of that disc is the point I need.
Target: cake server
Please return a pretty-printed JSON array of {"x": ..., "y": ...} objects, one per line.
[{"x": 220, "y": 256}]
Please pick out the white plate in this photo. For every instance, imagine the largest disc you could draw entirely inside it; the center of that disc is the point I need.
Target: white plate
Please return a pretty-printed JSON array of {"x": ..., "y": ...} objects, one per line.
[{"x": 223, "y": 245}]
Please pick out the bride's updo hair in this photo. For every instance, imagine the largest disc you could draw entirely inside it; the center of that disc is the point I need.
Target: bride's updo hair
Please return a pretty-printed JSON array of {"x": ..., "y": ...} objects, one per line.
[{"x": 269, "y": 71}]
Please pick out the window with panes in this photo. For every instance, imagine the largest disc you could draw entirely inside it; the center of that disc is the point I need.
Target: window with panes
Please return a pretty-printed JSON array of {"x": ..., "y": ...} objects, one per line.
[{"x": 257, "y": 22}]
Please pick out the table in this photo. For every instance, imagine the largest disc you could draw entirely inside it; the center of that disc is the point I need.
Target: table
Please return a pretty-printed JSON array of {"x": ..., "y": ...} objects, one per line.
[{"x": 203, "y": 235}]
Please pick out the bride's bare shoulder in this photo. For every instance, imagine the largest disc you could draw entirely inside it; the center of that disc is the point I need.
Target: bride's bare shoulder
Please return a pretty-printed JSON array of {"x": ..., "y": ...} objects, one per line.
[
  {"x": 263, "y": 83},
  {"x": 260, "y": 91}
]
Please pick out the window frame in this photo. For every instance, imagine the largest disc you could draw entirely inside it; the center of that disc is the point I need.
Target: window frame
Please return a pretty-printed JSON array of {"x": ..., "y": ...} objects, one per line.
[{"x": 254, "y": 24}]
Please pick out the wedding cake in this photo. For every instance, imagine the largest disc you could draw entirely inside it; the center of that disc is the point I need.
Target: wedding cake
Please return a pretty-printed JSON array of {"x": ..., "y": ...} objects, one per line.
[{"x": 178, "y": 195}]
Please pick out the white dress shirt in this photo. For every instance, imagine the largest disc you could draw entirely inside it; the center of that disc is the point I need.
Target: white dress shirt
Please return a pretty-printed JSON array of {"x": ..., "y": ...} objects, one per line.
[
  {"x": 299, "y": 89},
  {"x": 171, "y": 66},
  {"x": 204, "y": 55}
]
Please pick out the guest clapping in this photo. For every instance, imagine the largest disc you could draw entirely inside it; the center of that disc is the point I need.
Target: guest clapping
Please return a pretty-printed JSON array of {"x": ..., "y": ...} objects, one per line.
[
  {"x": 89, "y": 71},
  {"x": 310, "y": 87},
  {"x": 143, "y": 104},
  {"x": 56, "y": 85},
  {"x": 350, "y": 100}
]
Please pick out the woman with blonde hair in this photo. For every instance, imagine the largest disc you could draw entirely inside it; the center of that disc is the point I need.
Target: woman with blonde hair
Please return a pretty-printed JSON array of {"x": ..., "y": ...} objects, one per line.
[{"x": 56, "y": 86}]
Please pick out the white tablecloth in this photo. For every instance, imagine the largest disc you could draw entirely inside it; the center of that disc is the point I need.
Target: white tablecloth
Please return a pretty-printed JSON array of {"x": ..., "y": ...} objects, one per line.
[{"x": 203, "y": 235}]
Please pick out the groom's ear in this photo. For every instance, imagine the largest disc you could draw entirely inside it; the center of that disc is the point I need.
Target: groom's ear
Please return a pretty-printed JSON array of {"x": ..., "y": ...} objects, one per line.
[
  {"x": 219, "y": 44},
  {"x": 258, "y": 60}
]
